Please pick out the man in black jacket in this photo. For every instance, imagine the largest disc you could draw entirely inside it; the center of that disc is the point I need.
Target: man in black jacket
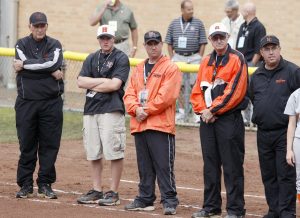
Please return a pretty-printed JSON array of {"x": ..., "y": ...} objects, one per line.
[
  {"x": 270, "y": 88},
  {"x": 38, "y": 107}
]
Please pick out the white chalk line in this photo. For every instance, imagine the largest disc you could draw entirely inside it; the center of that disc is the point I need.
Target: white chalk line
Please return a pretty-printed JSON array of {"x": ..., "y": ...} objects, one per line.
[
  {"x": 198, "y": 189},
  {"x": 120, "y": 210}
]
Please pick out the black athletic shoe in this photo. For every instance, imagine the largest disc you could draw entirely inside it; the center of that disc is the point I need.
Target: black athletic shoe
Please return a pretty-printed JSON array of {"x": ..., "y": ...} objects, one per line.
[
  {"x": 26, "y": 191},
  {"x": 234, "y": 216},
  {"x": 92, "y": 197},
  {"x": 45, "y": 191},
  {"x": 139, "y": 206},
  {"x": 271, "y": 215},
  {"x": 204, "y": 213},
  {"x": 169, "y": 211}
]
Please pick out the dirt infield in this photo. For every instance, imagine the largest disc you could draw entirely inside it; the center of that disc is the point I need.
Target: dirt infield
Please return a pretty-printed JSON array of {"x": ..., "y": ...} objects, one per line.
[{"x": 74, "y": 178}]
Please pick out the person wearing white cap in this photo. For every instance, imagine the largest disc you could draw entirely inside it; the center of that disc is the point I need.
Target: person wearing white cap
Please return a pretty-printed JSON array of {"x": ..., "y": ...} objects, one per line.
[
  {"x": 218, "y": 96},
  {"x": 104, "y": 74}
]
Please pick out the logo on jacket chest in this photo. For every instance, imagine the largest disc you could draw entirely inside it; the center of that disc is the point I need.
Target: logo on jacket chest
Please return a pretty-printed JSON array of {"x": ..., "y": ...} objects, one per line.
[
  {"x": 109, "y": 64},
  {"x": 280, "y": 81},
  {"x": 156, "y": 75}
]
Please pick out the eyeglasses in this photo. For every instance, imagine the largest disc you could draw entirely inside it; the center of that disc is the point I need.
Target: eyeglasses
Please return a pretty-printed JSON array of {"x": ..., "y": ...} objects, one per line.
[
  {"x": 218, "y": 37},
  {"x": 270, "y": 48}
]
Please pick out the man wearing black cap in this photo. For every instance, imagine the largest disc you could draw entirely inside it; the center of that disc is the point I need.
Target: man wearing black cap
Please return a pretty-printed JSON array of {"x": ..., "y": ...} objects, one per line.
[
  {"x": 270, "y": 88},
  {"x": 38, "y": 106},
  {"x": 150, "y": 101}
]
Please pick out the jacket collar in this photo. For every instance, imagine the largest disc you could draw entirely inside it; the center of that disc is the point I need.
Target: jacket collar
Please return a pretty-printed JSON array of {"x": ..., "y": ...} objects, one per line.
[
  {"x": 279, "y": 67},
  {"x": 225, "y": 60},
  {"x": 163, "y": 58},
  {"x": 188, "y": 21},
  {"x": 31, "y": 37}
]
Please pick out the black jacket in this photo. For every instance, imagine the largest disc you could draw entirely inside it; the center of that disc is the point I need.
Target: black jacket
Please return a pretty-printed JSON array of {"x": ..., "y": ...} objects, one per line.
[
  {"x": 101, "y": 65},
  {"x": 40, "y": 60},
  {"x": 269, "y": 91}
]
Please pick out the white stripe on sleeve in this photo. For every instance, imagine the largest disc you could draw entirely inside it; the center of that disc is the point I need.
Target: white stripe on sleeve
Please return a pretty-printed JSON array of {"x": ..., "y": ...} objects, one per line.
[
  {"x": 21, "y": 54},
  {"x": 44, "y": 65}
]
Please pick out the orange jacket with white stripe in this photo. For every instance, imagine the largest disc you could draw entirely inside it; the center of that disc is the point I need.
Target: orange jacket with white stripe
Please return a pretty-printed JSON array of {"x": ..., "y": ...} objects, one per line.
[
  {"x": 221, "y": 89},
  {"x": 163, "y": 85}
]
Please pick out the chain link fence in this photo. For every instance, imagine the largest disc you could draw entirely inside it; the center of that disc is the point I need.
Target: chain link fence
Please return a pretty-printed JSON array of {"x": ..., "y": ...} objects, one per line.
[{"x": 74, "y": 97}]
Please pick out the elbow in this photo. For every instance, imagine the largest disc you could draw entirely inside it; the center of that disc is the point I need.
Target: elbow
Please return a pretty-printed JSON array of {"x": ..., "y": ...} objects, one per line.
[
  {"x": 92, "y": 21},
  {"x": 79, "y": 83},
  {"x": 115, "y": 87}
]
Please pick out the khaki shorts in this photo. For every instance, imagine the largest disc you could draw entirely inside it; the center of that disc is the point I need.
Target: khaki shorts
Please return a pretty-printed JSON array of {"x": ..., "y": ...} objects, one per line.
[{"x": 104, "y": 135}]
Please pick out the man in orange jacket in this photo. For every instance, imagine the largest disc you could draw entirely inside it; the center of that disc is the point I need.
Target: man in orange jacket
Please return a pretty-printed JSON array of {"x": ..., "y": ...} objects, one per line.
[
  {"x": 150, "y": 101},
  {"x": 219, "y": 96}
]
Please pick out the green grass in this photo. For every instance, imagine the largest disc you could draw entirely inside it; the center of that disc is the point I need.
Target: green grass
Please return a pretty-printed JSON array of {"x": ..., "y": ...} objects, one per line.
[
  {"x": 8, "y": 132},
  {"x": 72, "y": 127}
]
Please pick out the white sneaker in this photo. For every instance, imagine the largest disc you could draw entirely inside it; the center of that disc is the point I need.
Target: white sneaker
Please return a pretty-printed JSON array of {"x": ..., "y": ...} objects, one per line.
[
  {"x": 180, "y": 115},
  {"x": 196, "y": 118}
]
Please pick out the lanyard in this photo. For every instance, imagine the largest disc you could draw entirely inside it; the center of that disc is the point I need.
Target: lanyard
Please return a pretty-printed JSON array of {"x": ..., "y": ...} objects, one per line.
[
  {"x": 145, "y": 76},
  {"x": 245, "y": 29},
  {"x": 215, "y": 68},
  {"x": 181, "y": 24},
  {"x": 145, "y": 73},
  {"x": 98, "y": 66}
]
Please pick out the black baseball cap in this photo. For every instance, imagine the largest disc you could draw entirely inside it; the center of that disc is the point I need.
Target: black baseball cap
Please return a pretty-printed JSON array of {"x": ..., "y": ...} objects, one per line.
[
  {"x": 38, "y": 18},
  {"x": 152, "y": 36},
  {"x": 269, "y": 39}
]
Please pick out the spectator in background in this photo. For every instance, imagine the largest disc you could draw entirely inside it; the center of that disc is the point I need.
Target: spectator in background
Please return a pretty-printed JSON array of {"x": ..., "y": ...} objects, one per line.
[
  {"x": 248, "y": 43},
  {"x": 121, "y": 18},
  {"x": 39, "y": 115},
  {"x": 250, "y": 34},
  {"x": 271, "y": 86},
  {"x": 186, "y": 39},
  {"x": 104, "y": 74},
  {"x": 150, "y": 101},
  {"x": 219, "y": 95},
  {"x": 232, "y": 21}
]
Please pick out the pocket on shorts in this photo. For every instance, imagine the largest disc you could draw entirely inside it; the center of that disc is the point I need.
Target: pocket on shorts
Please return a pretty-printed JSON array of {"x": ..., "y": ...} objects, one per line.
[
  {"x": 119, "y": 139},
  {"x": 84, "y": 138}
]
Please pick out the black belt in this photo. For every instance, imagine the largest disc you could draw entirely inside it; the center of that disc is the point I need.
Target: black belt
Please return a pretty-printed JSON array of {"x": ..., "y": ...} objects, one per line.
[
  {"x": 117, "y": 41},
  {"x": 186, "y": 53}
]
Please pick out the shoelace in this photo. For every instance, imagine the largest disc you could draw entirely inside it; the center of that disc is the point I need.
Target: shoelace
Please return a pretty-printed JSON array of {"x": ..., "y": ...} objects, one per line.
[
  {"x": 109, "y": 194},
  {"x": 91, "y": 192}
]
